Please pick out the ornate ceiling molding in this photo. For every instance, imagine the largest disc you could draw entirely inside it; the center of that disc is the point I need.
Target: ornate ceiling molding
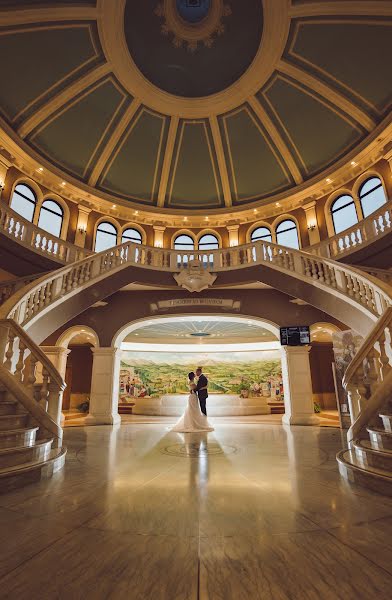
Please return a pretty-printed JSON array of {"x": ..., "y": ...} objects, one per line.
[
  {"x": 188, "y": 34},
  {"x": 66, "y": 95},
  {"x": 328, "y": 92},
  {"x": 382, "y": 8},
  {"x": 15, "y": 17},
  {"x": 171, "y": 140},
  {"x": 112, "y": 142},
  {"x": 277, "y": 139},
  {"x": 274, "y": 39},
  {"x": 221, "y": 161}
]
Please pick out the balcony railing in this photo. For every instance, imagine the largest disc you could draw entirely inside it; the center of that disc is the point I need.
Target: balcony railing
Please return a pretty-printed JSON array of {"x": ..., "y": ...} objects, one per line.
[{"x": 34, "y": 238}]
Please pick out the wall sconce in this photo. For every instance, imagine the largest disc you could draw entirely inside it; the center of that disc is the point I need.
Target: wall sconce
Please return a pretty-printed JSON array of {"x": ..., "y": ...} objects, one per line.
[
  {"x": 311, "y": 227},
  {"x": 2, "y": 186},
  {"x": 82, "y": 230}
]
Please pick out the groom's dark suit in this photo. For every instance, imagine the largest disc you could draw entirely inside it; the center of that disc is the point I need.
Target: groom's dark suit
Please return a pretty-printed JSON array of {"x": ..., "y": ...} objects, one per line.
[{"x": 202, "y": 393}]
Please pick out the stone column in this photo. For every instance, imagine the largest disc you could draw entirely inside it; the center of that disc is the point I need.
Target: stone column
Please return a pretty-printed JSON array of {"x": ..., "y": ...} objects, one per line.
[
  {"x": 297, "y": 386},
  {"x": 81, "y": 227},
  {"x": 311, "y": 220},
  {"x": 104, "y": 387},
  {"x": 58, "y": 357},
  {"x": 233, "y": 235},
  {"x": 158, "y": 235}
]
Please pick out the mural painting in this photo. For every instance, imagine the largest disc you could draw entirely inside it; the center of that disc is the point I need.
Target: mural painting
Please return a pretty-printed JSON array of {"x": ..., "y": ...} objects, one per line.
[{"x": 154, "y": 374}]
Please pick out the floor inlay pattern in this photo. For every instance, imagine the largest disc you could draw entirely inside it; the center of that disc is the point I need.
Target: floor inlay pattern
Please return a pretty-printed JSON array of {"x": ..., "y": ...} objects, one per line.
[{"x": 258, "y": 512}]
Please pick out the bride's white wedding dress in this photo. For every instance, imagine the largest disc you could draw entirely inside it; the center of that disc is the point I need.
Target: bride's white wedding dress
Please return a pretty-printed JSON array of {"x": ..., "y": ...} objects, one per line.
[{"x": 193, "y": 419}]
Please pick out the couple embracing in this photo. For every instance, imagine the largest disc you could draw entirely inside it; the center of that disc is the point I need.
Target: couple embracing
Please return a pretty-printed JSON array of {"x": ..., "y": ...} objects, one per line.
[{"x": 195, "y": 415}]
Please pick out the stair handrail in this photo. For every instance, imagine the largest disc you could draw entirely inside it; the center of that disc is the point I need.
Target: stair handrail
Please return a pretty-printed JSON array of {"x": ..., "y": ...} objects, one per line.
[
  {"x": 33, "y": 408},
  {"x": 9, "y": 286},
  {"x": 31, "y": 377},
  {"x": 16, "y": 227},
  {"x": 372, "y": 227},
  {"x": 369, "y": 293},
  {"x": 368, "y": 373}
]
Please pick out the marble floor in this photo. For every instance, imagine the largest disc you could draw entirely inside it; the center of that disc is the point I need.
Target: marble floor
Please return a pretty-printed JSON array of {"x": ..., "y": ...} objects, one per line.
[{"x": 253, "y": 511}]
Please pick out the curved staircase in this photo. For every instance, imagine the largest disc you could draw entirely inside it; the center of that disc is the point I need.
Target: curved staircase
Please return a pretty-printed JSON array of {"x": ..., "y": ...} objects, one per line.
[
  {"x": 32, "y": 386},
  {"x": 30, "y": 408}
]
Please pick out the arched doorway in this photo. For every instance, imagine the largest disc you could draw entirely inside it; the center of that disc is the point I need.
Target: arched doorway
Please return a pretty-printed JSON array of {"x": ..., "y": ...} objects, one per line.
[{"x": 78, "y": 343}]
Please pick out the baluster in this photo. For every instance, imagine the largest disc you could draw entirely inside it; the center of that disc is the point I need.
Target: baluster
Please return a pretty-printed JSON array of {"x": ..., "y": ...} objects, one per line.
[
  {"x": 10, "y": 351},
  {"x": 43, "y": 392},
  {"x": 384, "y": 360},
  {"x": 327, "y": 277},
  {"x": 306, "y": 264},
  {"x": 349, "y": 285},
  {"x": 373, "y": 374},
  {"x": 320, "y": 272},
  {"x": 357, "y": 295},
  {"x": 31, "y": 378},
  {"x": 41, "y": 297},
  {"x": 314, "y": 269},
  {"x": 20, "y": 364}
]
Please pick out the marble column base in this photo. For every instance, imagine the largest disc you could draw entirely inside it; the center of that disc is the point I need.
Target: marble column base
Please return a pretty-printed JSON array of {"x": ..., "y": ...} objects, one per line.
[
  {"x": 102, "y": 420},
  {"x": 301, "y": 419}
]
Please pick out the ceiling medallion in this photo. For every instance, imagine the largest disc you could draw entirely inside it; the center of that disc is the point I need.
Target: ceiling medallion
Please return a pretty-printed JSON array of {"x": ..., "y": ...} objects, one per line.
[{"x": 193, "y": 22}]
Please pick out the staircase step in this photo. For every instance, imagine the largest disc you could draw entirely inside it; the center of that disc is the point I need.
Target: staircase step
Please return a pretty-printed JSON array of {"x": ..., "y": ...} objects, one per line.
[
  {"x": 18, "y": 437},
  {"x": 38, "y": 452},
  {"x": 9, "y": 407},
  {"x": 32, "y": 471},
  {"x": 374, "y": 478},
  {"x": 387, "y": 422},
  {"x": 380, "y": 438},
  {"x": 368, "y": 456},
  {"x": 10, "y": 422}
]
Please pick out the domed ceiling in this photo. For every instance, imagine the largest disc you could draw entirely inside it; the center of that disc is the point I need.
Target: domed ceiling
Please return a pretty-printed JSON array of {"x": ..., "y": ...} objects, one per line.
[{"x": 194, "y": 104}]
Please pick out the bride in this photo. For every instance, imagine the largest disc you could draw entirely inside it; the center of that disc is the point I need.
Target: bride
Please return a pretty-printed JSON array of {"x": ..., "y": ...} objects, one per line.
[{"x": 193, "y": 419}]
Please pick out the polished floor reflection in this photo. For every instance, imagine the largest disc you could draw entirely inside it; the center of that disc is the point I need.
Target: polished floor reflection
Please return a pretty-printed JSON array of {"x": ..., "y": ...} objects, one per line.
[{"x": 248, "y": 512}]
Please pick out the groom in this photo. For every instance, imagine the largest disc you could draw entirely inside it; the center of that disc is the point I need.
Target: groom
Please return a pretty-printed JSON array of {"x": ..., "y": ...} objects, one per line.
[{"x": 202, "y": 389}]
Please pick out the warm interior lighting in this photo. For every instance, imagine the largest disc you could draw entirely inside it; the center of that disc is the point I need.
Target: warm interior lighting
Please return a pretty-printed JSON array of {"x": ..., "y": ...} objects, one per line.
[
  {"x": 328, "y": 180},
  {"x": 353, "y": 163},
  {"x": 63, "y": 183}
]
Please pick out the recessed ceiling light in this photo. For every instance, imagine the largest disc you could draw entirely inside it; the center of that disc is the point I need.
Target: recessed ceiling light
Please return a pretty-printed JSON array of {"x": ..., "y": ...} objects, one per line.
[
  {"x": 113, "y": 206},
  {"x": 328, "y": 180},
  {"x": 136, "y": 212},
  {"x": 353, "y": 163},
  {"x": 63, "y": 183},
  {"x": 40, "y": 169}
]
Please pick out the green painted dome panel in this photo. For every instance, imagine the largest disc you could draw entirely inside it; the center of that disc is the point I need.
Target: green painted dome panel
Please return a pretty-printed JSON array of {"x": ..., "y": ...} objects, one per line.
[
  {"x": 138, "y": 163},
  {"x": 194, "y": 179},
  {"x": 254, "y": 167},
  {"x": 360, "y": 55},
  {"x": 37, "y": 60},
  {"x": 319, "y": 133},
  {"x": 71, "y": 138}
]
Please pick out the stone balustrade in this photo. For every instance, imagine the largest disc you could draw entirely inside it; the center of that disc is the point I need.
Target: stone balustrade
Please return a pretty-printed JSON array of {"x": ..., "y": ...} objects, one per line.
[
  {"x": 10, "y": 286},
  {"x": 31, "y": 378},
  {"x": 349, "y": 283},
  {"x": 368, "y": 379},
  {"x": 359, "y": 235},
  {"x": 34, "y": 238}
]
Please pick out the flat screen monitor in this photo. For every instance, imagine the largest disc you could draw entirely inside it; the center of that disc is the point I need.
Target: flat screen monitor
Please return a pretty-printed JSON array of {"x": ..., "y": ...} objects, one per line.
[{"x": 295, "y": 336}]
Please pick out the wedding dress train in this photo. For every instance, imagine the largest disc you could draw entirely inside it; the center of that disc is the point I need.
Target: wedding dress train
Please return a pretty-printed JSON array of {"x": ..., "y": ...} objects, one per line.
[{"x": 193, "y": 419}]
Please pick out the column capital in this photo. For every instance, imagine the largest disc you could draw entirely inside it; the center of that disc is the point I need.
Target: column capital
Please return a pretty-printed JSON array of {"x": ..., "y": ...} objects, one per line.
[
  {"x": 159, "y": 227},
  {"x": 232, "y": 227},
  {"x": 109, "y": 351},
  {"x": 55, "y": 350},
  {"x": 309, "y": 205},
  {"x": 296, "y": 349},
  {"x": 84, "y": 209}
]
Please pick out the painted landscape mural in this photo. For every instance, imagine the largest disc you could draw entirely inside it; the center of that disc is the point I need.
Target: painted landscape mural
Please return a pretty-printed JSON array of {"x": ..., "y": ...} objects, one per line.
[{"x": 153, "y": 374}]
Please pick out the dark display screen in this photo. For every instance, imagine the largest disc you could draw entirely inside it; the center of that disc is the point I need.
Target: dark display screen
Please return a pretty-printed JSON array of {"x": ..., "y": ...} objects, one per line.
[{"x": 295, "y": 336}]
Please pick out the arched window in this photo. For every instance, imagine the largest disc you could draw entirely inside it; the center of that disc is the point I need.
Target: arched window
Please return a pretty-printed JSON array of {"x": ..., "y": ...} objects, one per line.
[
  {"x": 287, "y": 234},
  {"x": 344, "y": 214},
  {"x": 261, "y": 233},
  {"x": 371, "y": 195},
  {"x": 208, "y": 241},
  {"x": 106, "y": 236},
  {"x": 24, "y": 201},
  {"x": 131, "y": 235},
  {"x": 51, "y": 217},
  {"x": 184, "y": 242}
]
